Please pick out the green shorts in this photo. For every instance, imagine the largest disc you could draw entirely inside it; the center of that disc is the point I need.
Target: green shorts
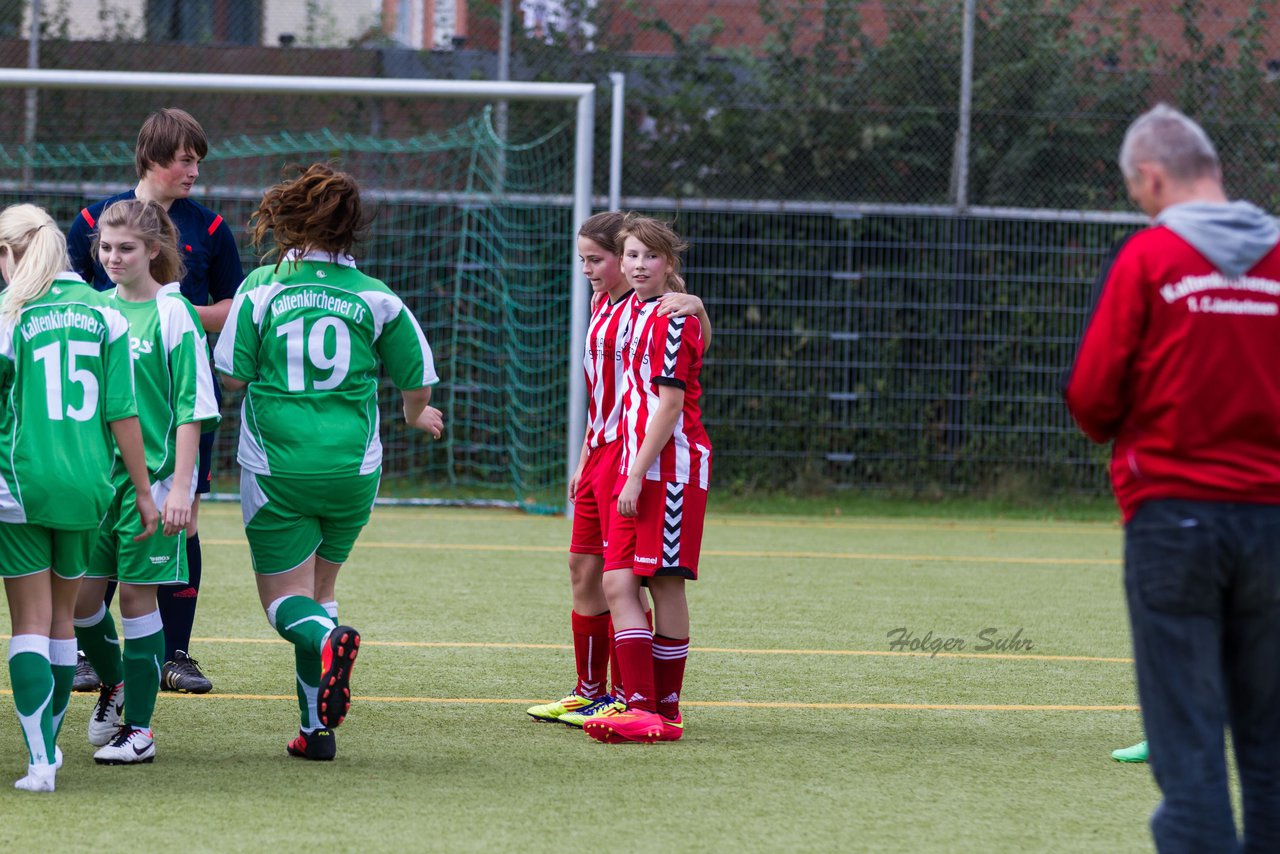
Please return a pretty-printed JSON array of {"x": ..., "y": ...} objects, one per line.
[
  {"x": 156, "y": 560},
  {"x": 288, "y": 519},
  {"x": 28, "y": 549}
]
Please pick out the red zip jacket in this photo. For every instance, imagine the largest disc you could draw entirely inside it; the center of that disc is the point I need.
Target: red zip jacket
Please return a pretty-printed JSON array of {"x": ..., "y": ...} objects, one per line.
[{"x": 1180, "y": 366}]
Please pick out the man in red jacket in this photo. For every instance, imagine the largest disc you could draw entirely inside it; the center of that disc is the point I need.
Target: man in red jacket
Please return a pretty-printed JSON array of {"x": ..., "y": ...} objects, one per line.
[{"x": 1179, "y": 367}]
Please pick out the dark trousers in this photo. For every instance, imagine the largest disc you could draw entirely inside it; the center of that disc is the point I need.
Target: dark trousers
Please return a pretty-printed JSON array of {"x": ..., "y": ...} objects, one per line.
[{"x": 1203, "y": 584}]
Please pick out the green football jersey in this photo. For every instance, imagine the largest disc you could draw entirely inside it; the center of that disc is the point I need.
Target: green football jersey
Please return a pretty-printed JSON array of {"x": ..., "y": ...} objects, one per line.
[
  {"x": 307, "y": 338},
  {"x": 171, "y": 375},
  {"x": 65, "y": 373}
]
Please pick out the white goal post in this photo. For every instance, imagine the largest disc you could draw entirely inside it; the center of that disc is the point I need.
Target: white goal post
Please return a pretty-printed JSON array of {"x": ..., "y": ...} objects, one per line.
[{"x": 581, "y": 94}]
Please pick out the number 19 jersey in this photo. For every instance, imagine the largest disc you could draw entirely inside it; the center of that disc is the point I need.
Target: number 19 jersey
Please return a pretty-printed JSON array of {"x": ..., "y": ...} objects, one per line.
[
  {"x": 65, "y": 373},
  {"x": 307, "y": 337}
]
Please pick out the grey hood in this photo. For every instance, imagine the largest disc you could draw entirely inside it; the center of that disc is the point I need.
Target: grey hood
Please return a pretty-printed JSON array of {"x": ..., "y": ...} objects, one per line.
[{"x": 1232, "y": 235}]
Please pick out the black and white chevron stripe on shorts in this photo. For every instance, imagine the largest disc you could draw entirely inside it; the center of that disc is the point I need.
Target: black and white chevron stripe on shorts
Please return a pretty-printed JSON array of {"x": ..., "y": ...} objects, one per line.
[{"x": 673, "y": 517}]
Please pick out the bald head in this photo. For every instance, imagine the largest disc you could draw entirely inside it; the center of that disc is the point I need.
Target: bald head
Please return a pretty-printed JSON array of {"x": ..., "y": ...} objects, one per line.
[{"x": 1166, "y": 137}]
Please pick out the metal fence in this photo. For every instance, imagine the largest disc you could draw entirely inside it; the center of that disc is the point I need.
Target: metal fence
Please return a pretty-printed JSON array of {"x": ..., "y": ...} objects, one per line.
[
  {"x": 874, "y": 347},
  {"x": 870, "y": 332}
]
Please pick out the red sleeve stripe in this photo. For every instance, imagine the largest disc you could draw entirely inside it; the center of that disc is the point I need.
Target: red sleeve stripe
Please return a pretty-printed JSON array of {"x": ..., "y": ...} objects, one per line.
[
  {"x": 217, "y": 221},
  {"x": 88, "y": 217}
]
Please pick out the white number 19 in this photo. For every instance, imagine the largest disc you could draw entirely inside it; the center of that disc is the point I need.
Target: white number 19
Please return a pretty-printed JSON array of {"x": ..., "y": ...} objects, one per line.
[{"x": 337, "y": 365}]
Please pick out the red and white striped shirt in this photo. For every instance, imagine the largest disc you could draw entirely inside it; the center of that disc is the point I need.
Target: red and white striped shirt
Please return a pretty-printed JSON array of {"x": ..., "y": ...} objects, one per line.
[
  {"x": 665, "y": 351},
  {"x": 607, "y": 337}
]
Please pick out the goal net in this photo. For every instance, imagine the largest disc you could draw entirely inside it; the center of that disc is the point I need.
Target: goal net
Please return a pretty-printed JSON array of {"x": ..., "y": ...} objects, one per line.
[{"x": 472, "y": 228}]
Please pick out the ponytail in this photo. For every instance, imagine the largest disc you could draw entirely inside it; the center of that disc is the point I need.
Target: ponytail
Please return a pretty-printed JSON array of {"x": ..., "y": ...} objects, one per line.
[{"x": 37, "y": 252}]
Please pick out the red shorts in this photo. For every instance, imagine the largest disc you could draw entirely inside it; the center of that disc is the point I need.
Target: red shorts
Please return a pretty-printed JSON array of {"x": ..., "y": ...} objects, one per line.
[
  {"x": 592, "y": 499},
  {"x": 664, "y": 538}
]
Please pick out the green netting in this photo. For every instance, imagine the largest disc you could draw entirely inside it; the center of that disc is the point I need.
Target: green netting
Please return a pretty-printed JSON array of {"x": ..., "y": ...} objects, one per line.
[{"x": 474, "y": 234}]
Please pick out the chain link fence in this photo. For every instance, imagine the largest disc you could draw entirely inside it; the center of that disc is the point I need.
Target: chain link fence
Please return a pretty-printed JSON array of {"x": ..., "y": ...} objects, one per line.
[{"x": 869, "y": 332}]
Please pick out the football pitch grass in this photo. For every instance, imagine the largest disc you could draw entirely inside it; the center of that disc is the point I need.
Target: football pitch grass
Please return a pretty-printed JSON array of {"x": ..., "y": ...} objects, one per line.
[{"x": 806, "y": 728}]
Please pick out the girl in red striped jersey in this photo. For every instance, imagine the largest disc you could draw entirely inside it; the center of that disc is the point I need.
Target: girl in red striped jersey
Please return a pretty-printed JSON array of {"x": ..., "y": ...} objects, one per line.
[
  {"x": 655, "y": 534},
  {"x": 591, "y": 487}
]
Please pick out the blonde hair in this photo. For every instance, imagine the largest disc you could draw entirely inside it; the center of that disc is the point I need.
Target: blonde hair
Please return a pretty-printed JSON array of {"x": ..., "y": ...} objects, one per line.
[
  {"x": 661, "y": 238},
  {"x": 151, "y": 223},
  {"x": 38, "y": 252}
]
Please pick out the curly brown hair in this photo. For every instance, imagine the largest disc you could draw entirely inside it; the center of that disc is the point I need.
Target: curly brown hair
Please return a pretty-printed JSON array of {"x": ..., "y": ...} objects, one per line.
[{"x": 318, "y": 210}]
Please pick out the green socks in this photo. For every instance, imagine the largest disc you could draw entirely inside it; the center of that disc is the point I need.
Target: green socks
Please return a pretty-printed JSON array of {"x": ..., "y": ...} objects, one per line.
[
  {"x": 301, "y": 621},
  {"x": 143, "y": 658},
  {"x": 97, "y": 637},
  {"x": 62, "y": 660},
  {"x": 32, "y": 679}
]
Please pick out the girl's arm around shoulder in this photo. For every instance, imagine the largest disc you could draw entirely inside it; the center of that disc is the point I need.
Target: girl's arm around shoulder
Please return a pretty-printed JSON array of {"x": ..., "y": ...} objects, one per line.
[{"x": 687, "y": 305}]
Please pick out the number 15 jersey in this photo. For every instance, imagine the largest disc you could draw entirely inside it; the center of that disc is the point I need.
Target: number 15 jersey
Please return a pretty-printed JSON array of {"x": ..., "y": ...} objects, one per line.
[
  {"x": 65, "y": 373},
  {"x": 307, "y": 337}
]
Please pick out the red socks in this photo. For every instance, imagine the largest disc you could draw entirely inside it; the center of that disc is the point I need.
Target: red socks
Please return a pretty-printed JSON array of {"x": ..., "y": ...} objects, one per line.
[
  {"x": 615, "y": 667},
  {"x": 591, "y": 653},
  {"x": 634, "y": 648},
  {"x": 669, "y": 656}
]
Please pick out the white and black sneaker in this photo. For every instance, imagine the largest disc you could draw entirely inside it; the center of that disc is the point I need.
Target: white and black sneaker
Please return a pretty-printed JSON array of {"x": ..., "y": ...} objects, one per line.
[
  {"x": 131, "y": 746},
  {"x": 105, "y": 719}
]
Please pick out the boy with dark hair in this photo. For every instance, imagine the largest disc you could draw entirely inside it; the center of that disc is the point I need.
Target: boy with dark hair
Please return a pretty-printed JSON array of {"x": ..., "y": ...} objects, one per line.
[{"x": 171, "y": 144}]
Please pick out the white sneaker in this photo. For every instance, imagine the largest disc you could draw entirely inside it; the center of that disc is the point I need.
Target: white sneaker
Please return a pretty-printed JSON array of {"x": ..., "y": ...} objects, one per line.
[
  {"x": 40, "y": 778},
  {"x": 131, "y": 746},
  {"x": 105, "y": 720}
]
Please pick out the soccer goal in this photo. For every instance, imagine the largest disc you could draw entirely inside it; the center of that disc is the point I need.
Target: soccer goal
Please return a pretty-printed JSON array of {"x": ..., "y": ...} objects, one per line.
[{"x": 474, "y": 231}]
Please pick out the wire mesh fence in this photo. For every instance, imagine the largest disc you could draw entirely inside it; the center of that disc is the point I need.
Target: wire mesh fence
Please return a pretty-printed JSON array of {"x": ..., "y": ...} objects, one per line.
[{"x": 868, "y": 333}]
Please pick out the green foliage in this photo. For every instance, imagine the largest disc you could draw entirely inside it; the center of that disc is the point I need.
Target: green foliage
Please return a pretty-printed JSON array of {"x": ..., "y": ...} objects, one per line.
[{"x": 824, "y": 108}]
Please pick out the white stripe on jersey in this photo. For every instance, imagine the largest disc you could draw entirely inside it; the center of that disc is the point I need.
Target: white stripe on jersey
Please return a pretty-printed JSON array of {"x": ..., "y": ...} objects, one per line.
[
  {"x": 386, "y": 307},
  {"x": 225, "y": 351},
  {"x": 373, "y": 450},
  {"x": 608, "y": 334},
  {"x": 250, "y": 454},
  {"x": 176, "y": 322}
]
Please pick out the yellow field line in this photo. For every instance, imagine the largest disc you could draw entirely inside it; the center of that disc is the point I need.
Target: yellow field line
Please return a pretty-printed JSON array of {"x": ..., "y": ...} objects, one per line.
[
  {"x": 836, "y": 652},
  {"x": 732, "y": 650},
  {"x": 887, "y": 653},
  {"x": 931, "y": 524},
  {"x": 716, "y": 704},
  {"x": 492, "y": 547}
]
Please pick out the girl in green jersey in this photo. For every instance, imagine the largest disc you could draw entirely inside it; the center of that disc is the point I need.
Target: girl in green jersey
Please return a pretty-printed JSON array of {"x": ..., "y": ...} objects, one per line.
[
  {"x": 66, "y": 388},
  {"x": 307, "y": 336},
  {"x": 137, "y": 245}
]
